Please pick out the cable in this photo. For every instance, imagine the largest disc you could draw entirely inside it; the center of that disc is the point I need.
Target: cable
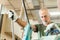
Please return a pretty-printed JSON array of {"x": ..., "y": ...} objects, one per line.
[{"x": 26, "y": 12}]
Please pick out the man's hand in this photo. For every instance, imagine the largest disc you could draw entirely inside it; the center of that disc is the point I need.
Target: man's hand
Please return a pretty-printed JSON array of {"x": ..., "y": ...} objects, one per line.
[
  {"x": 34, "y": 28},
  {"x": 52, "y": 29}
]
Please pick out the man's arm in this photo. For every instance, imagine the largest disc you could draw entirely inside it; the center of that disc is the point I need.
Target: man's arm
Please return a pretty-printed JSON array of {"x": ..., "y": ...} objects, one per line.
[
  {"x": 20, "y": 22},
  {"x": 23, "y": 24},
  {"x": 18, "y": 19}
]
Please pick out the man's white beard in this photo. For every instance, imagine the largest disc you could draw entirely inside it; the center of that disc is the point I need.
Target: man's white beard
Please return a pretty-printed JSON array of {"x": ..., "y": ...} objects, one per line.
[{"x": 44, "y": 23}]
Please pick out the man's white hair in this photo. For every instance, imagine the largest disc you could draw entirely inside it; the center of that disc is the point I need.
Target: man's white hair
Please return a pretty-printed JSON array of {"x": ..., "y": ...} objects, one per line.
[{"x": 43, "y": 9}]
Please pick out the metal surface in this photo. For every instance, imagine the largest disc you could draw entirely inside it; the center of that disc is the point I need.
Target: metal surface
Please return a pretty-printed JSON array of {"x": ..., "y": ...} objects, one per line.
[{"x": 1, "y": 19}]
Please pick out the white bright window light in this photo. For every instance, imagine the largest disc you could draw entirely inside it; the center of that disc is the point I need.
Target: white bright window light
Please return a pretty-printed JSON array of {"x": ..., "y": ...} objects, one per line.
[{"x": 54, "y": 13}]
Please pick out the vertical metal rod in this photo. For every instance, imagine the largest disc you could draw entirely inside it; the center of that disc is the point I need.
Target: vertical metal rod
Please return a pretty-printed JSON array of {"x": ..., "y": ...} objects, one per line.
[
  {"x": 12, "y": 26},
  {"x": 1, "y": 18}
]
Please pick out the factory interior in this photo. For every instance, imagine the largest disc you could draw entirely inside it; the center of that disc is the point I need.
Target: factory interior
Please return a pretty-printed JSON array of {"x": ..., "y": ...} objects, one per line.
[{"x": 28, "y": 11}]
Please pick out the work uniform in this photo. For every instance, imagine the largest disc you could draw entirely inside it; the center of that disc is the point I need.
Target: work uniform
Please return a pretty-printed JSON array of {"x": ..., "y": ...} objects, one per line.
[
  {"x": 50, "y": 29},
  {"x": 41, "y": 29}
]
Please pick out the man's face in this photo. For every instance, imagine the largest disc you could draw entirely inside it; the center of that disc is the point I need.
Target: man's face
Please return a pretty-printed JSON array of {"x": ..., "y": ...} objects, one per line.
[{"x": 44, "y": 17}]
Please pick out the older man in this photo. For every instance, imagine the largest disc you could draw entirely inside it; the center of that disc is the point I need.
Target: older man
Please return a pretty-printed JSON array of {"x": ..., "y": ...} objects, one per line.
[{"x": 47, "y": 27}]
